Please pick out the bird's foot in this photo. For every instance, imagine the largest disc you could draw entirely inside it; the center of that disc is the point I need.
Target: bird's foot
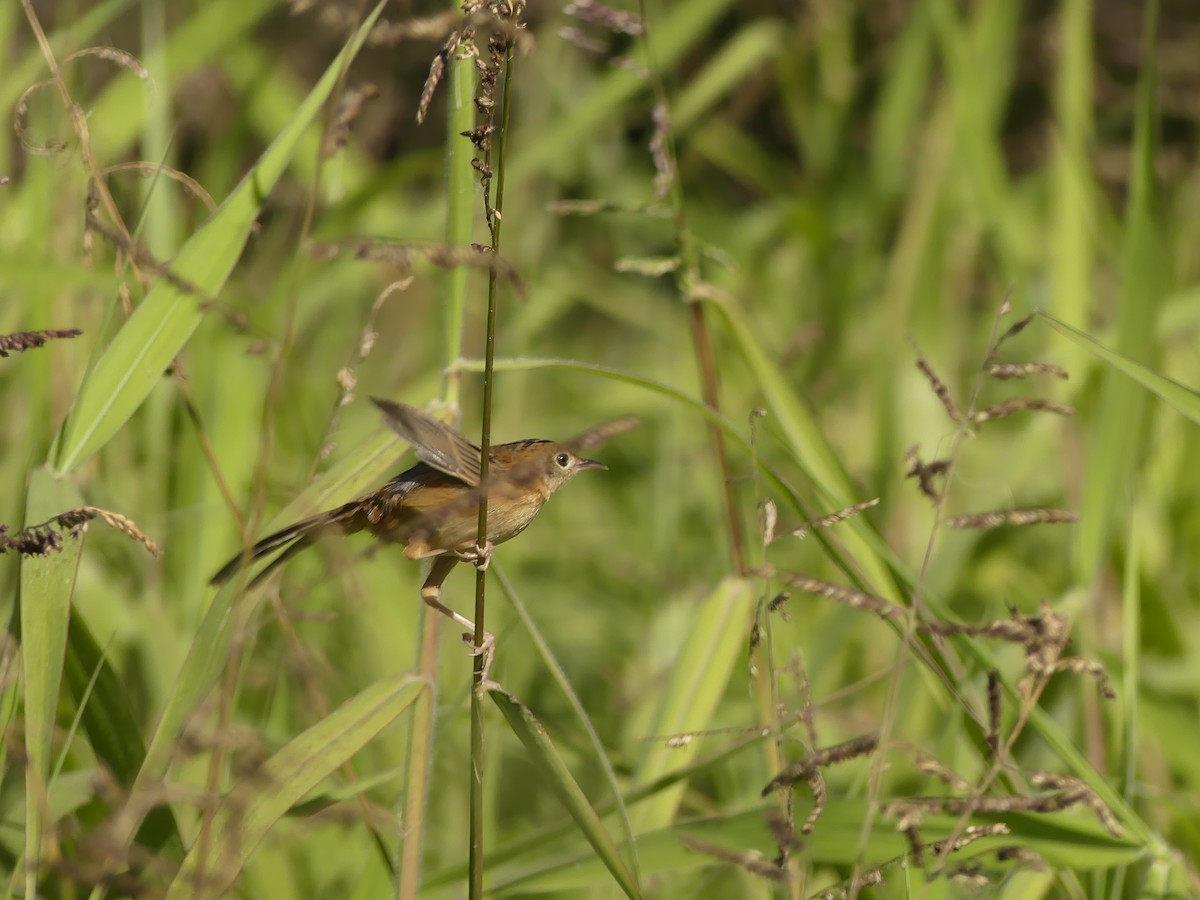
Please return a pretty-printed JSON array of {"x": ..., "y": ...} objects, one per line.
[
  {"x": 486, "y": 649},
  {"x": 481, "y": 556}
]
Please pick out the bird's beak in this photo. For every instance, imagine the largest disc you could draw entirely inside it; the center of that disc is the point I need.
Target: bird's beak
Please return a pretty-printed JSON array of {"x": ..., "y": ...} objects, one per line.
[{"x": 592, "y": 464}]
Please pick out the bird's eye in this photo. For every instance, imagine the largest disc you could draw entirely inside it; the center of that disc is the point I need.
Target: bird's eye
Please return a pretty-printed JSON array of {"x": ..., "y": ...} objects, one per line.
[{"x": 563, "y": 460}]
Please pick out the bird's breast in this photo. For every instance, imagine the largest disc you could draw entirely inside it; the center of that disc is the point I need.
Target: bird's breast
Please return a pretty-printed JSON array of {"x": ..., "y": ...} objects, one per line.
[{"x": 508, "y": 516}]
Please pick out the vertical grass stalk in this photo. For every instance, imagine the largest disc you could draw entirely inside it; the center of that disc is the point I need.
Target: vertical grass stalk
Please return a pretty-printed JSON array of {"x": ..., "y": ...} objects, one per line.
[
  {"x": 688, "y": 279},
  {"x": 459, "y": 208},
  {"x": 494, "y": 220}
]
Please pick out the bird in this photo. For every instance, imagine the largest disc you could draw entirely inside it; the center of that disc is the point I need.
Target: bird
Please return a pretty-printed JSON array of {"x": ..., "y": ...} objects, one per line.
[{"x": 432, "y": 508}]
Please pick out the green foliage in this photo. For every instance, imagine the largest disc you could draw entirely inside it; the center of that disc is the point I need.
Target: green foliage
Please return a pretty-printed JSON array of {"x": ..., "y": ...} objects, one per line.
[{"x": 839, "y": 191}]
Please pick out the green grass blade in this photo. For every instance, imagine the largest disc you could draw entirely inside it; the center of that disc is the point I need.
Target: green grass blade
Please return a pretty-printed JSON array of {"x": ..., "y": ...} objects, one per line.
[
  {"x": 47, "y": 583},
  {"x": 696, "y": 405},
  {"x": 903, "y": 94},
  {"x": 1145, "y": 263},
  {"x": 111, "y": 727},
  {"x": 230, "y": 610},
  {"x": 750, "y": 50},
  {"x": 1073, "y": 253},
  {"x": 531, "y": 733},
  {"x": 227, "y": 615},
  {"x": 813, "y": 453},
  {"x": 202, "y": 39},
  {"x": 682, "y": 25},
  {"x": 799, "y": 426},
  {"x": 1067, "y": 839},
  {"x": 251, "y": 809},
  {"x": 719, "y": 633},
  {"x": 1055, "y": 734},
  {"x": 79, "y": 29},
  {"x": 1182, "y": 398},
  {"x": 519, "y": 852},
  {"x": 133, "y": 364},
  {"x": 559, "y": 675}
]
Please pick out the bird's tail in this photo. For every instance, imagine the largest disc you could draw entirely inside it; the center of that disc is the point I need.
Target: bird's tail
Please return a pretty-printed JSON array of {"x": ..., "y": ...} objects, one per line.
[{"x": 294, "y": 538}]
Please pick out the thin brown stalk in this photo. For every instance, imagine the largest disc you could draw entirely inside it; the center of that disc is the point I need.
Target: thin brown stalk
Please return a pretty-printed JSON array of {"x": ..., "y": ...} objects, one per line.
[
  {"x": 689, "y": 280},
  {"x": 274, "y": 394},
  {"x": 761, "y": 655},
  {"x": 500, "y": 48},
  {"x": 28, "y": 340},
  {"x": 1013, "y": 517},
  {"x": 460, "y": 207},
  {"x": 913, "y": 614},
  {"x": 79, "y": 123}
]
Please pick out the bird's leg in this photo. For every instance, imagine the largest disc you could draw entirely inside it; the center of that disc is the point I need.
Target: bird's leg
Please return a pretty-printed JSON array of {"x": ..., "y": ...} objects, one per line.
[
  {"x": 481, "y": 556},
  {"x": 431, "y": 592}
]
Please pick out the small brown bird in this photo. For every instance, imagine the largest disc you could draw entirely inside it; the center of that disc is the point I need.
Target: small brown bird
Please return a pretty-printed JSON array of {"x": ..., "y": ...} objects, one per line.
[{"x": 433, "y": 507}]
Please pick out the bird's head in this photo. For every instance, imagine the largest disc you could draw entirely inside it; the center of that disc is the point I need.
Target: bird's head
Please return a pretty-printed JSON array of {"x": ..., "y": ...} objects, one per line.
[{"x": 543, "y": 466}]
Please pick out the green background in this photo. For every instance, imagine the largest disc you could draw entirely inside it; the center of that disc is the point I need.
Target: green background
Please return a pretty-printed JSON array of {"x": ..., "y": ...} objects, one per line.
[{"x": 855, "y": 185}]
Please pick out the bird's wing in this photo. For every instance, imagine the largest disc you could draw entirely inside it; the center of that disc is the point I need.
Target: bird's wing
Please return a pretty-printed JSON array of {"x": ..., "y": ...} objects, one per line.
[{"x": 437, "y": 444}]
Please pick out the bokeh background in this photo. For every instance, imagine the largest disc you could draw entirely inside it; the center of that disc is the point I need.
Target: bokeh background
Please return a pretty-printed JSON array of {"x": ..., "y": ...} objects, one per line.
[{"x": 852, "y": 186}]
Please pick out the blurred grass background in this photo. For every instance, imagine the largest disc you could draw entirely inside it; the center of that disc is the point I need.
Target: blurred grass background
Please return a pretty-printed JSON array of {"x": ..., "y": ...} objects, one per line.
[{"x": 852, "y": 178}]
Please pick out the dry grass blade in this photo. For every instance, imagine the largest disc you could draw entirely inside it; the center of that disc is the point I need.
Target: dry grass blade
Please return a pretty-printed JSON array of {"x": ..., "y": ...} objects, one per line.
[
  {"x": 1023, "y": 856},
  {"x": 1030, "y": 631},
  {"x": 1014, "y": 517},
  {"x": 499, "y": 19},
  {"x": 1013, "y": 330},
  {"x": 910, "y": 810},
  {"x": 1070, "y": 790},
  {"x": 925, "y": 473},
  {"x": 781, "y": 829},
  {"x": 939, "y": 770},
  {"x": 649, "y": 266},
  {"x": 664, "y": 162},
  {"x": 940, "y": 389},
  {"x": 684, "y": 738},
  {"x": 993, "y": 702},
  {"x": 587, "y": 207},
  {"x": 350, "y": 107},
  {"x": 852, "y": 887},
  {"x": 1043, "y": 638},
  {"x": 1005, "y": 371},
  {"x": 1065, "y": 791},
  {"x": 605, "y": 16},
  {"x": 969, "y": 836},
  {"x": 120, "y": 58},
  {"x": 916, "y": 848},
  {"x": 768, "y": 519},
  {"x": 140, "y": 255},
  {"x": 833, "y": 518},
  {"x": 1080, "y": 666},
  {"x": 153, "y": 170},
  {"x": 114, "y": 55},
  {"x": 753, "y": 862},
  {"x": 827, "y": 756},
  {"x": 20, "y": 111},
  {"x": 583, "y": 41},
  {"x": 1022, "y": 404},
  {"x": 405, "y": 255},
  {"x": 28, "y": 340},
  {"x": 43, "y": 539},
  {"x": 844, "y": 595}
]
